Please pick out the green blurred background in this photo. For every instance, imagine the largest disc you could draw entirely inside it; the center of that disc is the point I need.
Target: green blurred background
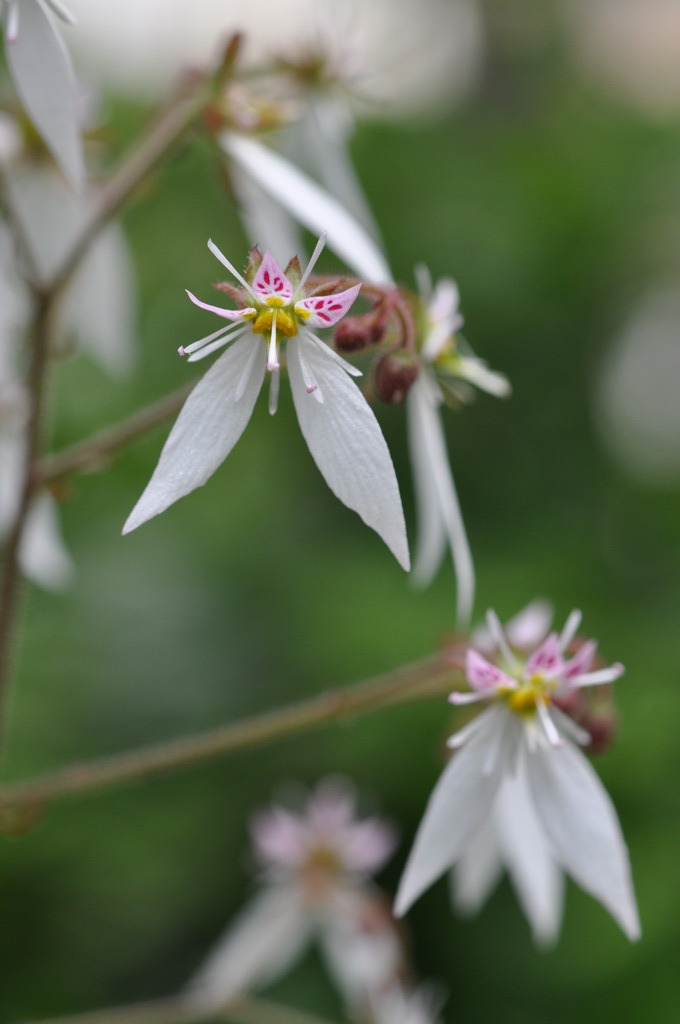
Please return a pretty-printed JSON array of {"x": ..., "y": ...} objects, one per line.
[{"x": 556, "y": 208}]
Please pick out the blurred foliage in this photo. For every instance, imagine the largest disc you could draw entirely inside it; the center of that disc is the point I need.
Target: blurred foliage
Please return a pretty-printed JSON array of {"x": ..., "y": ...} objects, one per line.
[{"x": 554, "y": 211}]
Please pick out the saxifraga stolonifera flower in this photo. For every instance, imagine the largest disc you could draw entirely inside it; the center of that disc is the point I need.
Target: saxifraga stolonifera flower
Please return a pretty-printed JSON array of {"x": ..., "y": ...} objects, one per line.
[
  {"x": 337, "y": 423},
  {"x": 519, "y": 790}
]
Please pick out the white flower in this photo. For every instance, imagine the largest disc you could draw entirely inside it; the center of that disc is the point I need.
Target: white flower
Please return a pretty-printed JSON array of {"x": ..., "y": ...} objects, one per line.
[
  {"x": 445, "y": 362},
  {"x": 517, "y": 769},
  {"x": 42, "y": 555},
  {"x": 41, "y": 70},
  {"x": 315, "y": 886},
  {"x": 97, "y": 311},
  {"x": 338, "y": 425}
]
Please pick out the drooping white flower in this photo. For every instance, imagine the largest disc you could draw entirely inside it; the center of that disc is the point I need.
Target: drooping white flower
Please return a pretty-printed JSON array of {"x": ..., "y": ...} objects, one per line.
[
  {"x": 315, "y": 887},
  {"x": 97, "y": 312},
  {"x": 518, "y": 790},
  {"x": 446, "y": 363},
  {"x": 41, "y": 70},
  {"x": 400, "y": 1005},
  {"x": 447, "y": 366},
  {"x": 43, "y": 557},
  {"x": 338, "y": 425}
]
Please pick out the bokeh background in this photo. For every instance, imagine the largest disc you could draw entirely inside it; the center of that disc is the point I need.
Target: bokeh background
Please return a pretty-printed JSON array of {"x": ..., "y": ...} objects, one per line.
[{"x": 546, "y": 180}]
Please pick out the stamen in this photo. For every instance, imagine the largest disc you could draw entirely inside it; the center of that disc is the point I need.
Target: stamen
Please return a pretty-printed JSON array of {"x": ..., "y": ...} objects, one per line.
[
  {"x": 308, "y": 379},
  {"x": 464, "y": 734},
  {"x": 352, "y": 370},
  {"x": 12, "y": 30},
  {"x": 466, "y": 698},
  {"x": 569, "y": 631},
  {"x": 498, "y": 635},
  {"x": 273, "y": 350},
  {"x": 225, "y": 262},
  {"x": 310, "y": 266},
  {"x": 227, "y": 337},
  {"x": 274, "y": 391},
  {"x": 547, "y": 724},
  {"x": 603, "y": 675},
  {"x": 569, "y": 726},
  {"x": 62, "y": 12}
]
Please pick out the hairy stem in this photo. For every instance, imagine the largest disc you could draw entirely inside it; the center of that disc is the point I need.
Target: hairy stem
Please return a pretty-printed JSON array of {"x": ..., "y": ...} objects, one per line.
[
  {"x": 428, "y": 677},
  {"x": 185, "y": 1010}
]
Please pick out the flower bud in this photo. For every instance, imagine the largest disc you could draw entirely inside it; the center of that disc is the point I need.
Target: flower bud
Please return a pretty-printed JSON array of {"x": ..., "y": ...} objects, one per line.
[
  {"x": 393, "y": 376},
  {"x": 358, "y": 332}
]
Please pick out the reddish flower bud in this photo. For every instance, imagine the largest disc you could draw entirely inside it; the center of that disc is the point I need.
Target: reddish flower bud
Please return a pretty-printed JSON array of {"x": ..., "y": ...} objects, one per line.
[
  {"x": 393, "y": 376},
  {"x": 358, "y": 332}
]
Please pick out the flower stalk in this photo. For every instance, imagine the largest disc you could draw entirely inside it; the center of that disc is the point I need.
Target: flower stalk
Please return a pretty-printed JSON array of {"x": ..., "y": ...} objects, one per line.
[
  {"x": 429, "y": 677},
  {"x": 183, "y": 1010}
]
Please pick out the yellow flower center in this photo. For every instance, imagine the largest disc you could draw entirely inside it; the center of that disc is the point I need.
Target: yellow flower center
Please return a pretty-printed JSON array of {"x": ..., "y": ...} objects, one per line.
[
  {"x": 285, "y": 322},
  {"x": 523, "y": 700}
]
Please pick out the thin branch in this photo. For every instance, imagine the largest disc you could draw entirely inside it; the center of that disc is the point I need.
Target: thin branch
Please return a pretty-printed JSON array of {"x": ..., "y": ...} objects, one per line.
[
  {"x": 10, "y": 578},
  {"x": 173, "y": 124},
  {"x": 422, "y": 679},
  {"x": 183, "y": 1009},
  {"x": 96, "y": 451}
]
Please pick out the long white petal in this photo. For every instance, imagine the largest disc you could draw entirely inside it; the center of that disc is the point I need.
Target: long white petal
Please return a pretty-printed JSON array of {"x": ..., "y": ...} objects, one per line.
[
  {"x": 347, "y": 444},
  {"x": 431, "y": 532},
  {"x": 263, "y": 941},
  {"x": 310, "y": 204},
  {"x": 581, "y": 824},
  {"x": 535, "y": 874},
  {"x": 428, "y": 447},
  {"x": 267, "y": 224},
  {"x": 459, "y": 803},
  {"x": 324, "y": 132},
  {"x": 41, "y": 70},
  {"x": 477, "y": 870},
  {"x": 206, "y": 430}
]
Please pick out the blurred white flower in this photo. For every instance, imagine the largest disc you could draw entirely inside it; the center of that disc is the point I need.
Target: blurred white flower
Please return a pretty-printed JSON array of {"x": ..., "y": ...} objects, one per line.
[
  {"x": 636, "y": 397},
  {"x": 400, "y": 1005},
  {"x": 315, "y": 886},
  {"x": 41, "y": 71},
  {"x": 97, "y": 312},
  {"x": 136, "y": 46},
  {"x": 519, "y": 791},
  {"x": 337, "y": 423},
  {"x": 42, "y": 555},
  {"x": 631, "y": 48}
]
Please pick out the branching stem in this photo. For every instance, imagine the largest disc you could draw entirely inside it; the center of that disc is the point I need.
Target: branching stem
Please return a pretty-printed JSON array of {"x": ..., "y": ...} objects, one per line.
[{"x": 429, "y": 677}]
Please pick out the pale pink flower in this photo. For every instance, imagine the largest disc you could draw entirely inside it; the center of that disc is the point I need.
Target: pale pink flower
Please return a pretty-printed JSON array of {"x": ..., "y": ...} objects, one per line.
[
  {"x": 315, "y": 887},
  {"x": 519, "y": 790},
  {"x": 337, "y": 423}
]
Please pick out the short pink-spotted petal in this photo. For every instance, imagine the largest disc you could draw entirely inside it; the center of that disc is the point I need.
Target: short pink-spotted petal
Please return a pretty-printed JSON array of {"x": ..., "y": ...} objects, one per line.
[
  {"x": 482, "y": 675},
  {"x": 271, "y": 282},
  {"x": 228, "y": 314},
  {"x": 582, "y": 660},
  {"x": 547, "y": 660},
  {"x": 326, "y": 310}
]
